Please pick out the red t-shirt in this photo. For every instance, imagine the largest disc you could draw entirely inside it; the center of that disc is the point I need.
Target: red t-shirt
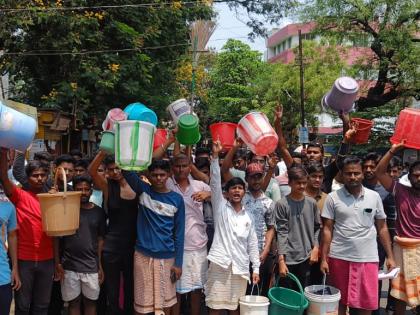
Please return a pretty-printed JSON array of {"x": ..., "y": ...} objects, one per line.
[
  {"x": 33, "y": 243},
  {"x": 408, "y": 211}
]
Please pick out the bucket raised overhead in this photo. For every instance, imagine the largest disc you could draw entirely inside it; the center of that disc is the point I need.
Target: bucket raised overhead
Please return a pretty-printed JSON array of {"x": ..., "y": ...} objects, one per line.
[
  {"x": 407, "y": 128},
  {"x": 342, "y": 95},
  {"x": 17, "y": 130},
  {"x": 363, "y": 128},
  {"x": 188, "y": 130},
  {"x": 225, "y": 132},
  {"x": 178, "y": 108},
  {"x": 160, "y": 137},
  {"x": 113, "y": 115},
  {"x": 139, "y": 111}
]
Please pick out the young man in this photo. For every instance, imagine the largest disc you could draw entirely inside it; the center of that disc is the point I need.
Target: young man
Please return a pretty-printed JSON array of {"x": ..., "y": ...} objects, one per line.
[
  {"x": 19, "y": 165},
  {"x": 235, "y": 244},
  {"x": 66, "y": 162},
  {"x": 370, "y": 161},
  {"x": 350, "y": 254},
  {"x": 35, "y": 248},
  {"x": 194, "y": 272},
  {"x": 407, "y": 242},
  {"x": 118, "y": 253},
  {"x": 297, "y": 222},
  {"x": 79, "y": 265},
  {"x": 9, "y": 279},
  {"x": 80, "y": 167},
  {"x": 160, "y": 241}
]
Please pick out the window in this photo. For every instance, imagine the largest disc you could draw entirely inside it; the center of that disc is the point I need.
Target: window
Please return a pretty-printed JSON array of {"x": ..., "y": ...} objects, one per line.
[{"x": 289, "y": 43}]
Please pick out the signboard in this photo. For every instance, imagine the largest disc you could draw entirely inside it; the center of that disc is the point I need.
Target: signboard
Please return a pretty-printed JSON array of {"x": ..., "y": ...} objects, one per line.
[{"x": 303, "y": 135}]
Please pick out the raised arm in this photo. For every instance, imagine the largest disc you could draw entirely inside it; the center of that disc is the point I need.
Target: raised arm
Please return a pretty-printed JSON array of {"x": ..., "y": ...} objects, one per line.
[
  {"x": 215, "y": 178},
  {"x": 8, "y": 186},
  {"x": 282, "y": 145},
  {"x": 160, "y": 151},
  {"x": 134, "y": 181},
  {"x": 381, "y": 169},
  {"x": 227, "y": 162},
  {"x": 98, "y": 180},
  {"x": 272, "y": 163},
  {"x": 19, "y": 169}
]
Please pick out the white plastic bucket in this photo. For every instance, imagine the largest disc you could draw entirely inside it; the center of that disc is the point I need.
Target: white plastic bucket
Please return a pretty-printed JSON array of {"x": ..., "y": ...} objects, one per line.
[
  {"x": 254, "y": 305},
  {"x": 134, "y": 144},
  {"x": 178, "y": 108},
  {"x": 322, "y": 304},
  {"x": 17, "y": 130}
]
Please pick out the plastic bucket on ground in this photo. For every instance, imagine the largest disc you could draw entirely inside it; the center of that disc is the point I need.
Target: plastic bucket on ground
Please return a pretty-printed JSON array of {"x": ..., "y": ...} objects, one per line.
[
  {"x": 160, "y": 138},
  {"x": 342, "y": 95},
  {"x": 407, "y": 128},
  {"x": 255, "y": 130},
  {"x": 134, "y": 144},
  {"x": 188, "y": 130},
  {"x": 287, "y": 301},
  {"x": 108, "y": 142},
  {"x": 139, "y": 111},
  {"x": 225, "y": 132},
  {"x": 322, "y": 304},
  {"x": 113, "y": 115},
  {"x": 60, "y": 211},
  {"x": 17, "y": 130},
  {"x": 254, "y": 305},
  {"x": 178, "y": 108},
  {"x": 363, "y": 128}
]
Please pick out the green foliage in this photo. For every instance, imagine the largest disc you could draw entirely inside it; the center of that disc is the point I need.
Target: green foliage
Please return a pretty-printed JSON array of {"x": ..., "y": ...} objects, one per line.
[{"x": 94, "y": 59}]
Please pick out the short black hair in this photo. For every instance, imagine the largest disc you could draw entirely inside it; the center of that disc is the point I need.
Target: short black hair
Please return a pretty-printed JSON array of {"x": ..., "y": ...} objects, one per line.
[
  {"x": 395, "y": 162},
  {"x": 252, "y": 154},
  {"x": 233, "y": 182},
  {"x": 314, "y": 167},
  {"x": 81, "y": 179},
  {"x": 415, "y": 165},
  {"x": 180, "y": 157},
  {"x": 44, "y": 155},
  {"x": 202, "y": 150},
  {"x": 202, "y": 162},
  {"x": 160, "y": 164},
  {"x": 316, "y": 145},
  {"x": 109, "y": 159},
  {"x": 76, "y": 152},
  {"x": 83, "y": 163},
  {"x": 240, "y": 154},
  {"x": 64, "y": 158},
  {"x": 297, "y": 172},
  {"x": 35, "y": 165},
  {"x": 352, "y": 159},
  {"x": 372, "y": 156}
]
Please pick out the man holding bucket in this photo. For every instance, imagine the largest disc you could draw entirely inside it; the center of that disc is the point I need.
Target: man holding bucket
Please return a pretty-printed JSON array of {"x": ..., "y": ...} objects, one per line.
[
  {"x": 350, "y": 254},
  {"x": 407, "y": 241}
]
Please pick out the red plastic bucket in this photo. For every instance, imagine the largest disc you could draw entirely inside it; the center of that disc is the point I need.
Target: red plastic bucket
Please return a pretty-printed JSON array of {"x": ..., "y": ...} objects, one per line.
[
  {"x": 225, "y": 132},
  {"x": 363, "y": 128},
  {"x": 160, "y": 138},
  {"x": 407, "y": 128}
]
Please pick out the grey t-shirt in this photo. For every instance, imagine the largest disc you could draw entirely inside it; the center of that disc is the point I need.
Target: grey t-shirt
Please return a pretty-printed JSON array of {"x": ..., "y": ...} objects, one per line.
[
  {"x": 354, "y": 235},
  {"x": 297, "y": 225}
]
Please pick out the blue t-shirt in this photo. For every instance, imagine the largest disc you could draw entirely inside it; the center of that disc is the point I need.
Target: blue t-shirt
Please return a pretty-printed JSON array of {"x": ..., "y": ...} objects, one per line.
[{"x": 7, "y": 224}]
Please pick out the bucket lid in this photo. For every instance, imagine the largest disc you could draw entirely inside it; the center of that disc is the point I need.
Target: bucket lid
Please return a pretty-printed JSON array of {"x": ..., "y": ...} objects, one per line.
[
  {"x": 188, "y": 121},
  {"x": 347, "y": 85}
]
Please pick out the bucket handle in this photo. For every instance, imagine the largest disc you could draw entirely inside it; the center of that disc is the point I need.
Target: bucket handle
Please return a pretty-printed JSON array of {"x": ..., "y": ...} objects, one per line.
[
  {"x": 295, "y": 279},
  {"x": 356, "y": 124},
  {"x": 64, "y": 179},
  {"x": 258, "y": 289}
]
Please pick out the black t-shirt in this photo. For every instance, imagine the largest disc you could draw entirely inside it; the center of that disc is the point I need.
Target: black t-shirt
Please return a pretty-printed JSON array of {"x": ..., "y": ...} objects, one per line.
[
  {"x": 80, "y": 251},
  {"x": 121, "y": 234}
]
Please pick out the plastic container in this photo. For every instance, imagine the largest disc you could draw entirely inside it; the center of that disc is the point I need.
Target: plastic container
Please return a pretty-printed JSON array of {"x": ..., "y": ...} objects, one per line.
[
  {"x": 342, "y": 95},
  {"x": 160, "y": 137},
  {"x": 254, "y": 304},
  {"x": 188, "y": 130},
  {"x": 134, "y": 144},
  {"x": 225, "y": 132},
  {"x": 407, "y": 128},
  {"x": 287, "y": 301},
  {"x": 115, "y": 114},
  {"x": 60, "y": 211},
  {"x": 363, "y": 128},
  {"x": 255, "y": 130},
  {"x": 17, "y": 130},
  {"x": 178, "y": 108},
  {"x": 322, "y": 304},
  {"x": 139, "y": 111},
  {"x": 107, "y": 142}
]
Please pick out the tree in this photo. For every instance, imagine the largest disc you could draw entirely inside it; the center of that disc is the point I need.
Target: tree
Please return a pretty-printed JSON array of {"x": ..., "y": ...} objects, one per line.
[
  {"x": 91, "y": 59},
  {"x": 392, "y": 29},
  {"x": 230, "y": 93}
]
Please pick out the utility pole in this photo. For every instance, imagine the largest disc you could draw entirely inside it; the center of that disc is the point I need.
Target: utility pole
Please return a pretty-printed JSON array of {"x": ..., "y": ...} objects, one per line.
[{"x": 302, "y": 94}]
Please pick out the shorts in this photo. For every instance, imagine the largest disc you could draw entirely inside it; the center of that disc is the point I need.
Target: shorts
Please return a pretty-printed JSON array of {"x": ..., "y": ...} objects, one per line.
[
  {"x": 357, "y": 282},
  {"x": 194, "y": 271},
  {"x": 153, "y": 288},
  {"x": 76, "y": 283}
]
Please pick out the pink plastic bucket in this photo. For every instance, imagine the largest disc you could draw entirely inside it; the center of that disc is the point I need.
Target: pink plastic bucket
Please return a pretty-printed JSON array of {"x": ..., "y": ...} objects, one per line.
[
  {"x": 255, "y": 130},
  {"x": 225, "y": 132},
  {"x": 115, "y": 114}
]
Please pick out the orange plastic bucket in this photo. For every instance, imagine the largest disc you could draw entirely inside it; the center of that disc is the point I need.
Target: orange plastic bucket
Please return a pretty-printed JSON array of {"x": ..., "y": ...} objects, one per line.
[
  {"x": 407, "y": 128},
  {"x": 225, "y": 132},
  {"x": 363, "y": 128},
  {"x": 160, "y": 138}
]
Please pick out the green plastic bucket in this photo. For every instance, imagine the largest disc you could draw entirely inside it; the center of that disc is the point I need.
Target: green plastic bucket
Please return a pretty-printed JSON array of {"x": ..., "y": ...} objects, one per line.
[
  {"x": 188, "y": 130},
  {"x": 287, "y": 301},
  {"x": 107, "y": 142}
]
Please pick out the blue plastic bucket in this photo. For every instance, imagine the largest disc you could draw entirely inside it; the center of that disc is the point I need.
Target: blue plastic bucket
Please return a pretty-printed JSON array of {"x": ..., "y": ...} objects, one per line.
[
  {"x": 139, "y": 111},
  {"x": 17, "y": 130}
]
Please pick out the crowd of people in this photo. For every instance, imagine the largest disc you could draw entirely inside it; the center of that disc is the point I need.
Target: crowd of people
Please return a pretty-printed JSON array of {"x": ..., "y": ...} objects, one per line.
[{"x": 200, "y": 228}]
